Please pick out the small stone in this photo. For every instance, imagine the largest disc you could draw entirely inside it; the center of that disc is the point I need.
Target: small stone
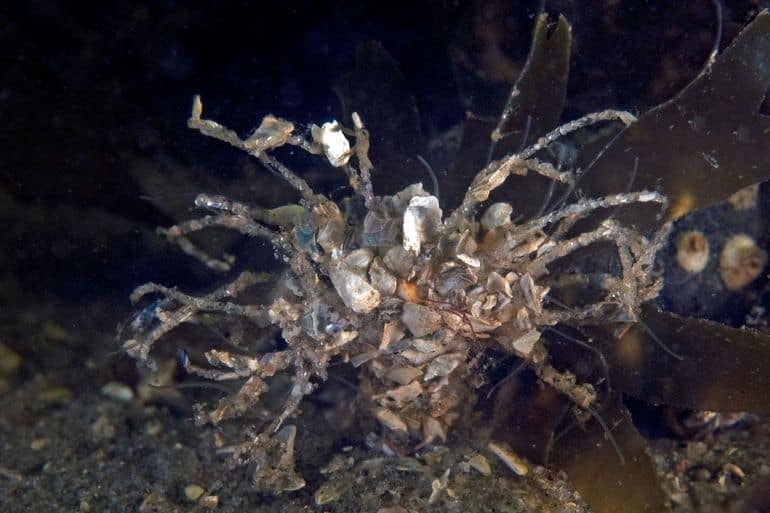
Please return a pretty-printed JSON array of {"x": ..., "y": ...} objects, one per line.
[
  {"x": 153, "y": 427},
  {"x": 38, "y": 444},
  {"x": 193, "y": 492},
  {"x": 9, "y": 360},
  {"x": 209, "y": 501},
  {"x": 85, "y": 506},
  {"x": 103, "y": 429},
  {"x": 118, "y": 391},
  {"x": 55, "y": 395}
]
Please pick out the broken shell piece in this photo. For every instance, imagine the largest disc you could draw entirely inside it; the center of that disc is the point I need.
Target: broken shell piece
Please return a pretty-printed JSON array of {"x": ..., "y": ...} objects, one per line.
[
  {"x": 400, "y": 396},
  {"x": 422, "y": 222},
  {"x": 510, "y": 458},
  {"x": 390, "y": 420},
  {"x": 391, "y": 332},
  {"x": 496, "y": 283},
  {"x": 404, "y": 375},
  {"x": 353, "y": 289},
  {"x": 741, "y": 262},
  {"x": 433, "y": 430},
  {"x": 524, "y": 344},
  {"x": 271, "y": 133},
  {"x": 335, "y": 146},
  {"x": 469, "y": 260},
  {"x": 496, "y": 216},
  {"x": 400, "y": 261},
  {"x": 481, "y": 464},
  {"x": 692, "y": 251},
  {"x": 442, "y": 365},
  {"x": 342, "y": 338},
  {"x": 420, "y": 320},
  {"x": 331, "y": 490},
  {"x": 381, "y": 279},
  {"x": 359, "y": 259}
]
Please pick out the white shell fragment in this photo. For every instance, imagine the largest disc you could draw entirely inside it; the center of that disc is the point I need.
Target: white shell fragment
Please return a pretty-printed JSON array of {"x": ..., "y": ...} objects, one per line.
[
  {"x": 526, "y": 343},
  {"x": 118, "y": 391},
  {"x": 442, "y": 365},
  {"x": 352, "y": 287},
  {"x": 335, "y": 146},
  {"x": 271, "y": 133},
  {"x": 381, "y": 279},
  {"x": 511, "y": 459},
  {"x": 422, "y": 222}
]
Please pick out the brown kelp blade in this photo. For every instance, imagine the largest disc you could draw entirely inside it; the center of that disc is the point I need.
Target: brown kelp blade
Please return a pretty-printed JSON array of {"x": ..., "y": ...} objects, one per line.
[
  {"x": 704, "y": 365},
  {"x": 607, "y": 483},
  {"x": 701, "y": 146},
  {"x": 533, "y": 108},
  {"x": 611, "y": 478},
  {"x": 376, "y": 89}
]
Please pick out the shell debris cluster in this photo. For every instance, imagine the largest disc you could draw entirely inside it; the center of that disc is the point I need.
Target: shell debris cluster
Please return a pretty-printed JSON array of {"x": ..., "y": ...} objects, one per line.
[{"x": 396, "y": 288}]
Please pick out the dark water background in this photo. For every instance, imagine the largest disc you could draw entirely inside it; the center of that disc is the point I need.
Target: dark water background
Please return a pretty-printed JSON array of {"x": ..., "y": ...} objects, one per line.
[{"x": 94, "y": 99}]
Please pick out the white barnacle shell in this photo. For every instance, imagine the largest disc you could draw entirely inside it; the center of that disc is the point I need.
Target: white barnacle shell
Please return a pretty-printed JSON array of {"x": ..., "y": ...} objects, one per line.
[
  {"x": 334, "y": 143},
  {"x": 422, "y": 222},
  {"x": 352, "y": 286}
]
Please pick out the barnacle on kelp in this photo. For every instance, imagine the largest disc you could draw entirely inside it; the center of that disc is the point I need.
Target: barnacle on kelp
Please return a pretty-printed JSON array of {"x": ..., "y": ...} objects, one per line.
[{"x": 414, "y": 297}]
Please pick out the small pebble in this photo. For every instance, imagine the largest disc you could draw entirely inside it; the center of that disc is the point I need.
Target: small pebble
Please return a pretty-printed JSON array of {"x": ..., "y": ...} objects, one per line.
[
  {"x": 193, "y": 492},
  {"x": 9, "y": 360},
  {"x": 103, "y": 429},
  {"x": 118, "y": 391},
  {"x": 38, "y": 444},
  {"x": 209, "y": 501},
  {"x": 85, "y": 506},
  {"x": 56, "y": 395},
  {"x": 154, "y": 427}
]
